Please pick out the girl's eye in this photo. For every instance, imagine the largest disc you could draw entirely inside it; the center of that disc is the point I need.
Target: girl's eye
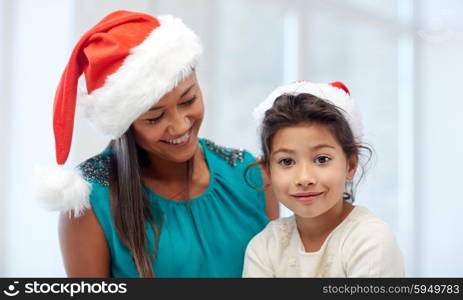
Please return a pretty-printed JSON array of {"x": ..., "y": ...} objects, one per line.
[
  {"x": 322, "y": 160},
  {"x": 286, "y": 162},
  {"x": 189, "y": 102},
  {"x": 154, "y": 120}
]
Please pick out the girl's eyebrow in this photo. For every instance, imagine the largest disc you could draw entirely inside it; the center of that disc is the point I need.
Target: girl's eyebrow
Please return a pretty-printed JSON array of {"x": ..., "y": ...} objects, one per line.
[
  {"x": 283, "y": 150},
  {"x": 323, "y": 146},
  {"x": 317, "y": 147}
]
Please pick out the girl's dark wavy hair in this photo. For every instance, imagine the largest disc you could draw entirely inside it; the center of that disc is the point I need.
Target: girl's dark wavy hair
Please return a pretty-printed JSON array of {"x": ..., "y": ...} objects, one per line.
[{"x": 289, "y": 110}]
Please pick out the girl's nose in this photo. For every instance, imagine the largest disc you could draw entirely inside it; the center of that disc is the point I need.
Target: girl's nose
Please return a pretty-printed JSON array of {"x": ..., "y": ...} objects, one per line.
[{"x": 305, "y": 177}]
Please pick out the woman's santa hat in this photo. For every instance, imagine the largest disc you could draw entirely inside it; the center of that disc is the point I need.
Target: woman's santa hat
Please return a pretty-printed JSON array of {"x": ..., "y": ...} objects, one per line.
[
  {"x": 130, "y": 61},
  {"x": 335, "y": 93}
]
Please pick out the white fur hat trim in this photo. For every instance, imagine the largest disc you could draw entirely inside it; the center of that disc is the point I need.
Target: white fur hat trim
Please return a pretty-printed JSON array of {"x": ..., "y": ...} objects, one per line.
[{"x": 329, "y": 93}]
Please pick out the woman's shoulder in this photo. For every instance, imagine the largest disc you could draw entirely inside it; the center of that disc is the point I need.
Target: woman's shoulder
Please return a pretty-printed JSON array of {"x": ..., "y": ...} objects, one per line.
[
  {"x": 233, "y": 157},
  {"x": 231, "y": 164},
  {"x": 95, "y": 170}
]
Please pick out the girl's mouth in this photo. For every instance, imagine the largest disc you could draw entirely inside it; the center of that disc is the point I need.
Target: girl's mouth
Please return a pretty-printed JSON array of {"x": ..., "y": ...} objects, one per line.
[{"x": 307, "y": 197}]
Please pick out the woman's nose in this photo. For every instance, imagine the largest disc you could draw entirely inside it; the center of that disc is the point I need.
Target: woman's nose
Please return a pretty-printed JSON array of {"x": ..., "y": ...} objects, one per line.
[{"x": 179, "y": 124}]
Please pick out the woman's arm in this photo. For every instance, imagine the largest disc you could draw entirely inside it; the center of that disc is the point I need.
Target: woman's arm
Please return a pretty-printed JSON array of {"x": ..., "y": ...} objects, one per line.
[
  {"x": 272, "y": 206},
  {"x": 83, "y": 245}
]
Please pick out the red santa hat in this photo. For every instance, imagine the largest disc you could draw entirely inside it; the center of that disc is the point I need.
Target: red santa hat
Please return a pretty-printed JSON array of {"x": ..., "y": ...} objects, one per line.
[
  {"x": 335, "y": 93},
  {"x": 130, "y": 61}
]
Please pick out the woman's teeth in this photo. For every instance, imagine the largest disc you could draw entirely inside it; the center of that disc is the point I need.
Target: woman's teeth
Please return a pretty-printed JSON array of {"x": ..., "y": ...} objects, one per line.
[{"x": 180, "y": 139}]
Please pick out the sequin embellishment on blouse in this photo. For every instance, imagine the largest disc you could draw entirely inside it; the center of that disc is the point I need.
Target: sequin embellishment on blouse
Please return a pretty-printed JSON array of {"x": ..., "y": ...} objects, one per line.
[
  {"x": 229, "y": 154},
  {"x": 96, "y": 169}
]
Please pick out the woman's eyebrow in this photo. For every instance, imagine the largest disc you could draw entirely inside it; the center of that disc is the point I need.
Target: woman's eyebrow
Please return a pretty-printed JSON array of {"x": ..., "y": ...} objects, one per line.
[
  {"x": 187, "y": 90},
  {"x": 184, "y": 93}
]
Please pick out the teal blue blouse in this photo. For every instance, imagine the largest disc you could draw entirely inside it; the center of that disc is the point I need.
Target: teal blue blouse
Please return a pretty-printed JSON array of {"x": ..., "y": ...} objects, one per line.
[{"x": 205, "y": 238}]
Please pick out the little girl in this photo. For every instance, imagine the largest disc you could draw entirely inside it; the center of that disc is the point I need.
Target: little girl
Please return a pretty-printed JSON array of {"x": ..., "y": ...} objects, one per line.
[{"x": 310, "y": 140}]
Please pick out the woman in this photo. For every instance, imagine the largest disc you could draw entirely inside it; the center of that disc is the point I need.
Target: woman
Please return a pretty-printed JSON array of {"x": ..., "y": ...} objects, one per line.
[{"x": 159, "y": 201}]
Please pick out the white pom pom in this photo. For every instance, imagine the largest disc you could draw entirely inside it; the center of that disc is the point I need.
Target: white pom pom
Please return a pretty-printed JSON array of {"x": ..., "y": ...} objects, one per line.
[{"x": 59, "y": 189}]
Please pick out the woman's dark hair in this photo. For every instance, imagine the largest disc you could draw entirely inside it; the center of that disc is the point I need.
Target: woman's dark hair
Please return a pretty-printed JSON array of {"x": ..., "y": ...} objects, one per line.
[
  {"x": 129, "y": 202},
  {"x": 289, "y": 110}
]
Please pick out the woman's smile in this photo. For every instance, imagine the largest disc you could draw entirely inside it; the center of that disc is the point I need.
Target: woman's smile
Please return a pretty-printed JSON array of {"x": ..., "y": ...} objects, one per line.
[{"x": 182, "y": 140}]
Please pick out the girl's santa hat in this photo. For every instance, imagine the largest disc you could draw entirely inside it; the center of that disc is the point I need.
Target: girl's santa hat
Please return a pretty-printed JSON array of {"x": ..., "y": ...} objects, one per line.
[
  {"x": 130, "y": 61},
  {"x": 335, "y": 93}
]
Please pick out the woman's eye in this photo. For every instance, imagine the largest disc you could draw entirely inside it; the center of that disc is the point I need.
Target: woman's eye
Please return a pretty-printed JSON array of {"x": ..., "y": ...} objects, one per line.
[
  {"x": 154, "y": 120},
  {"x": 189, "y": 101},
  {"x": 322, "y": 159},
  {"x": 286, "y": 162}
]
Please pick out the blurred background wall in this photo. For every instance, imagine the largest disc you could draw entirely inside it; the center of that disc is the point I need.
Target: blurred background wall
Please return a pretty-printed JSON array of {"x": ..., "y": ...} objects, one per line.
[{"x": 401, "y": 60}]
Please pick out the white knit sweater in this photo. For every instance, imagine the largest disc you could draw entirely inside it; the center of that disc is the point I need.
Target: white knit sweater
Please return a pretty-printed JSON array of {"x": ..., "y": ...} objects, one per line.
[{"x": 362, "y": 245}]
